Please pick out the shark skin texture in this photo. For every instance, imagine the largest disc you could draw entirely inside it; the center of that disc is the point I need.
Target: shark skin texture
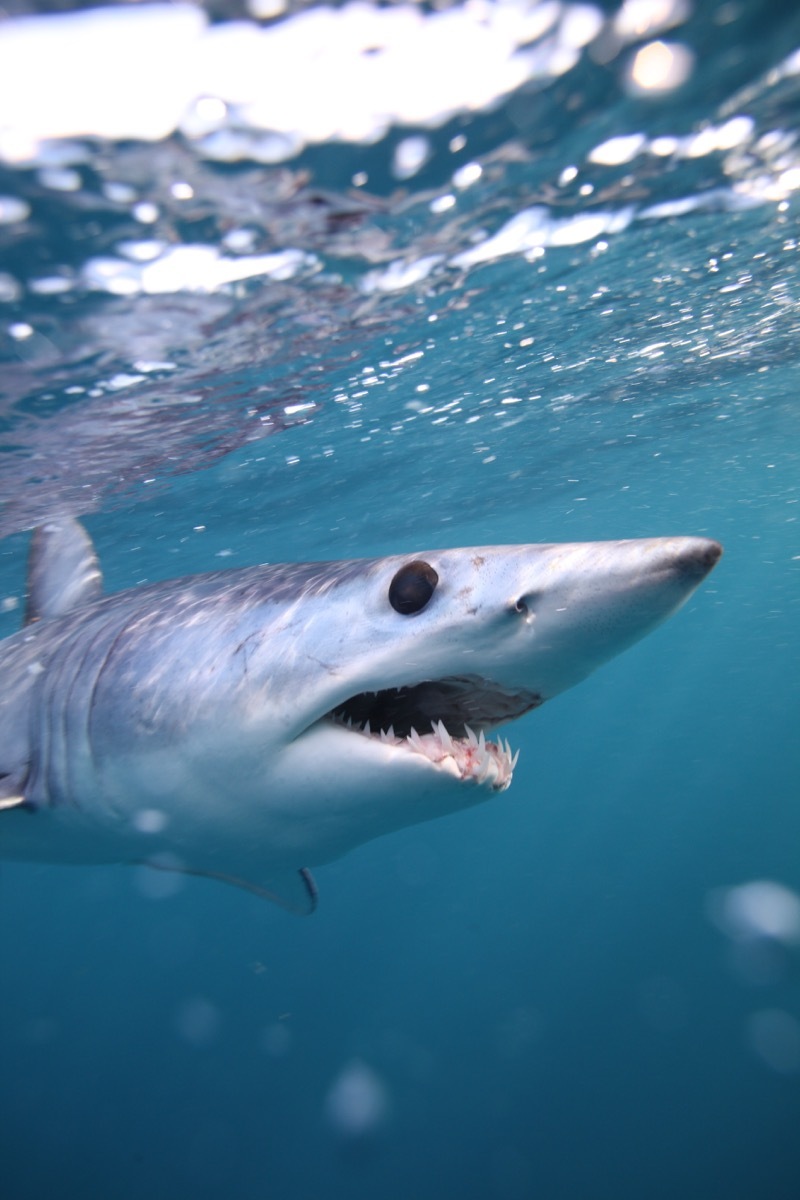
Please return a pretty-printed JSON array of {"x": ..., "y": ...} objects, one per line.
[{"x": 247, "y": 724}]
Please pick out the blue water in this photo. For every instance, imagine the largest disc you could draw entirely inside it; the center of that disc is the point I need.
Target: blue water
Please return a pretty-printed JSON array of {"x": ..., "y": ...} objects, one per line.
[{"x": 544, "y": 995}]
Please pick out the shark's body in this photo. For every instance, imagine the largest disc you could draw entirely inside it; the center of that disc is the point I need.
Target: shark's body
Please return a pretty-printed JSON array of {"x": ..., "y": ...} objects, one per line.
[{"x": 245, "y": 723}]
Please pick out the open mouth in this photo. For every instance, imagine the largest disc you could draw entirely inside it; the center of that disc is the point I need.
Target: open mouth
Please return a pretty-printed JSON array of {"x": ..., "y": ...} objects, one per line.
[{"x": 444, "y": 720}]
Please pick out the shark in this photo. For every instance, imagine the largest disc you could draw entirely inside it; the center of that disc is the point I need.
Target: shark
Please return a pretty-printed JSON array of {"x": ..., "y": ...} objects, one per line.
[{"x": 248, "y": 724}]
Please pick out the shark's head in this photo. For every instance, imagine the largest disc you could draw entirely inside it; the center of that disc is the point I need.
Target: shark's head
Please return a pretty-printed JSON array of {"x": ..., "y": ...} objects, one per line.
[{"x": 400, "y": 668}]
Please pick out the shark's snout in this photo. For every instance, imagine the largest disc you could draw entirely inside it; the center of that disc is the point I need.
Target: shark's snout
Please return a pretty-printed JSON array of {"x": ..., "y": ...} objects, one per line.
[
  {"x": 585, "y": 602},
  {"x": 697, "y": 558}
]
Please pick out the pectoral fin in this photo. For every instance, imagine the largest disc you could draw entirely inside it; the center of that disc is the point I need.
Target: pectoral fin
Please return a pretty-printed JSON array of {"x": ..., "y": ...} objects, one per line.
[{"x": 295, "y": 891}]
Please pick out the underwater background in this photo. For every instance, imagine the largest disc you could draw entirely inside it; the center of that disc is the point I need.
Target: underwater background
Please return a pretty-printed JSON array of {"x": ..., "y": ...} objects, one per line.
[{"x": 286, "y": 282}]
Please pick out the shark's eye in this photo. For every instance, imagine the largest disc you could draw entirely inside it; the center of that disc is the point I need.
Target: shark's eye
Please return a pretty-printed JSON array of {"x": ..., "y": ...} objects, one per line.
[{"x": 412, "y": 587}]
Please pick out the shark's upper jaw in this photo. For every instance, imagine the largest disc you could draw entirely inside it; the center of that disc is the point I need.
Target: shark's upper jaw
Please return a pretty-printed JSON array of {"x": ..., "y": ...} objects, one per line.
[
  {"x": 443, "y": 720},
  {"x": 458, "y": 701}
]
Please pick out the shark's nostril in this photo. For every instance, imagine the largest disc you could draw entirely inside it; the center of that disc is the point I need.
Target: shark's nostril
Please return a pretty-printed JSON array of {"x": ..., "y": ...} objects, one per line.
[{"x": 528, "y": 603}]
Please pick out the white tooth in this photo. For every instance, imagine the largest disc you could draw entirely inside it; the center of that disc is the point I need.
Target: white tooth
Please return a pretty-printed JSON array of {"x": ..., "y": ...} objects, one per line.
[
  {"x": 384, "y": 738},
  {"x": 416, "y": 741},
  {"x": 514, "y": 760},
  {"x": 444, "y": 738},
  {"x": 367, "y": 729},
  {"x": 482, "y": 742},
  {"x": 473, "y": 741},
  {"x": 390, "y": 732}
]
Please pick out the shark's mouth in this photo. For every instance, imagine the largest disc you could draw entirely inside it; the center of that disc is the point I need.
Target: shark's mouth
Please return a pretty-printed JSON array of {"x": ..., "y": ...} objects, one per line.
[{"x": 452, "y": 709}]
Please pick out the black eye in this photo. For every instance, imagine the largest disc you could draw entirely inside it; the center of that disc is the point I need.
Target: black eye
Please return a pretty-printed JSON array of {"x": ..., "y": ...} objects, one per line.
[{"x": 412, "y": 587}]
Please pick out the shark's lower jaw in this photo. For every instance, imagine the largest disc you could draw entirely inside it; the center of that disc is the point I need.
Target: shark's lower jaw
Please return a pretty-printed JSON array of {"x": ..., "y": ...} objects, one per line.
[{"x": 451, "y": 709}]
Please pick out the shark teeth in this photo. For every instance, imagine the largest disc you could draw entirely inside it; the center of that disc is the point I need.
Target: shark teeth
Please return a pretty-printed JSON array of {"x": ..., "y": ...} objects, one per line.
[
  {"x": 489, "y": 764},
  {"x": 444, "y": 737}
]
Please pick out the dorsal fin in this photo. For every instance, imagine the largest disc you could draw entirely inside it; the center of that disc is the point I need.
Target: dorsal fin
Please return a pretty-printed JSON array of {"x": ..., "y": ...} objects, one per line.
[{"x": 63, "y": 571}]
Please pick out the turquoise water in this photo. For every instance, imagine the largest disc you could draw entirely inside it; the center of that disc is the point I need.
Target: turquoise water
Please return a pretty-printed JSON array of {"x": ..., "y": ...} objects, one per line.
[{"x": 575, "y": 990}]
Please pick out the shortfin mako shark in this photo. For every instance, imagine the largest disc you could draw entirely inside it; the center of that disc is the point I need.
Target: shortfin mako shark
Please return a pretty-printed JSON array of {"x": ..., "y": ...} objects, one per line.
[{"x": 245, "y": 723}]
